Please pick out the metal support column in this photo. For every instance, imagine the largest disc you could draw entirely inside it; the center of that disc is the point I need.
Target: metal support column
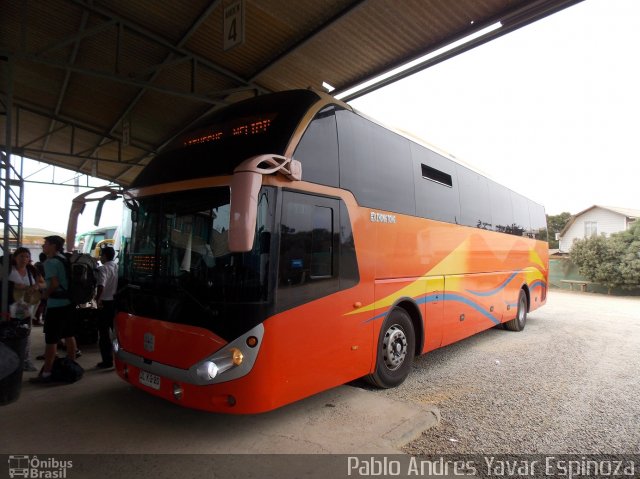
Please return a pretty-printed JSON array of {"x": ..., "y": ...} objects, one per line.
[{"x": 11, "y": 185}]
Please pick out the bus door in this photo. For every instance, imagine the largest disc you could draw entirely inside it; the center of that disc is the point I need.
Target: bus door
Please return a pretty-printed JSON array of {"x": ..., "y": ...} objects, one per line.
[{"x": 316, "y": 270}]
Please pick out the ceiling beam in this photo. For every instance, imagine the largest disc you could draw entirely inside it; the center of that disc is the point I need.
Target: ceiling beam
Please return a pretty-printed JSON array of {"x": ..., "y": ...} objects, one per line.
[
  {"x": 168, "y": 60},
  {"x": 179, "y": 50},
  {"x": 65, "y": 82},
  {"x": 27, "y": 149},
  {"x": 114, "y": 78},
  {"x": 22, "y": 105},
  {"x": 81, "y": 35}
]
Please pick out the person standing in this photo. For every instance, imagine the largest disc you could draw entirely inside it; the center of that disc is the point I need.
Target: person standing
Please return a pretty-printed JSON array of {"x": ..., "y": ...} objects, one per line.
[
  {"x": 105, "y": 299},
  {"x": 59, "y": 319},
  {"x": 38, "y": 319},
  {"x": 27, "y": 283},
  {"x": 26, "y": 279}
]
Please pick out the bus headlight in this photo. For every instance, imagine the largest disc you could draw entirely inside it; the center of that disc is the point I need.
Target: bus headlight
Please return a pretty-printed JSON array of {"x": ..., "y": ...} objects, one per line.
[
  {"x": 234, "y": 360},
  {"x": 211, "y": 368},
  {"x": 207, "y": 370}
]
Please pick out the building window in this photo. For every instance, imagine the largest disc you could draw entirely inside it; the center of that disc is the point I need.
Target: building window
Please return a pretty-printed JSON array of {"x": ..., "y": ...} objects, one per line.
[{"x": 590, "y": 229}]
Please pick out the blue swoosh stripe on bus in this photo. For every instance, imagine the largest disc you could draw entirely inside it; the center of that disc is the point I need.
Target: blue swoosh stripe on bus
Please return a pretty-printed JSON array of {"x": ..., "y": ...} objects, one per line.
[
  {"x": 537, "y": 283},
  {"x": 493, "y": 291},
  {"x": 381, "y": 315},
  {"x": 432, "y": 298},
  {"x": 425, "y": 299},
  {"x": 468, "y": 302}
]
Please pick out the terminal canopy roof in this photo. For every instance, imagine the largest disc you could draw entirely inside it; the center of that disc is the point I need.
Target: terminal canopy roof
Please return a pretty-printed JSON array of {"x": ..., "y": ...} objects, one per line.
[{"x": 100, "y": 86}]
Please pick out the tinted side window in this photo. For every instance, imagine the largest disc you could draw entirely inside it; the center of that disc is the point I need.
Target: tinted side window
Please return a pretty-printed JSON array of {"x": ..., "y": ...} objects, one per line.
[
  {"x": 521, "y": 224},
  {"x": 375, "y": 164},
  {"x": 501, "y": 209},
  {"x": 318, "y": 150},
  {"x": 322, "y": 235},
  {"x": 475, "y": 204},
  {"x": 538, "y": 221},
  {"x": 435, "y": 199},
  {"x": 349, "y": 274}
]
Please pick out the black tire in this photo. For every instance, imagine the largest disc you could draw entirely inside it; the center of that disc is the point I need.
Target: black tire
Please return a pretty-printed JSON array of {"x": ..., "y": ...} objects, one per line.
[
  {"x": 520, "y": 321},
  {"x": 395, "y": 350}
]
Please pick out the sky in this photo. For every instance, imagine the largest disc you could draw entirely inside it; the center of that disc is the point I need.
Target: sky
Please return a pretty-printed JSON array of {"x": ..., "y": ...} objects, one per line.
[
  {"x": 47, "y": 206},
  {"x": 551, "y": 111}
]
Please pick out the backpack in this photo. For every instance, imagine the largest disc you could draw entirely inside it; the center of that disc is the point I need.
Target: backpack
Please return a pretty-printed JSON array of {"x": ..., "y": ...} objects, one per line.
[
  {"x": 81, "y": 277},
  {"x": 66, "y": 370}
]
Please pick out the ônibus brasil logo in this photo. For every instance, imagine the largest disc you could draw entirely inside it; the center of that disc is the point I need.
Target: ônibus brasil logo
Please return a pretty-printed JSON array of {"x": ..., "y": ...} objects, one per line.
[{"x": 33, "y": 467}]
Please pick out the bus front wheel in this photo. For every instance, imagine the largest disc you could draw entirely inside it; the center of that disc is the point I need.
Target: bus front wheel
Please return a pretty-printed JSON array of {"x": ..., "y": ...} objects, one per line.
[
  {"x": 518, "y": 323},
  {"x": 396, "y": 348}
]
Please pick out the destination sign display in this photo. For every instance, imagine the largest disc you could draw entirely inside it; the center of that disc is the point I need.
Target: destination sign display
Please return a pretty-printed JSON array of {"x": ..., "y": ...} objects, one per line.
[{"x": 239, "y": 128}]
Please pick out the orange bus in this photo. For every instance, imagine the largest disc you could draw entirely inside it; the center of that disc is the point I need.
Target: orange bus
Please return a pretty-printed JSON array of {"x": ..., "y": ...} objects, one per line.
[{"x": 289, "y": 244}]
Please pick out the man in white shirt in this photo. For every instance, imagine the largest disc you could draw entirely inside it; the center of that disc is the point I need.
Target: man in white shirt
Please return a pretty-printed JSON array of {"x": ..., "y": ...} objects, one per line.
[{"x": 105, "y": 298}]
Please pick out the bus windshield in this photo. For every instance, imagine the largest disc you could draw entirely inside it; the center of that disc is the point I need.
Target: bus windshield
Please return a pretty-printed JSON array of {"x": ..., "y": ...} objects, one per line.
[{"x": 179, "y": 256}]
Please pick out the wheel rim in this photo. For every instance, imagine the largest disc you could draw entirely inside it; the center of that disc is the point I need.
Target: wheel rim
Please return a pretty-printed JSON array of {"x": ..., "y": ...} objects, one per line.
[
  {"x": 394, "y": 347},
  {"x": 522, "y": 310}
]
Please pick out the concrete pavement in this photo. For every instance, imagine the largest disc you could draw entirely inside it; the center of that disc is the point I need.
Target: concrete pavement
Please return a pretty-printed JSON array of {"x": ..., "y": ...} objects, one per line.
[{"x": 102, "y": 414}]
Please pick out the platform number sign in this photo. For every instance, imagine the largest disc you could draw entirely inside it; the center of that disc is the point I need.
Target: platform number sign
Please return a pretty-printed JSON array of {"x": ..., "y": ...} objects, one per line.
[{"x": 233, "y": 24}]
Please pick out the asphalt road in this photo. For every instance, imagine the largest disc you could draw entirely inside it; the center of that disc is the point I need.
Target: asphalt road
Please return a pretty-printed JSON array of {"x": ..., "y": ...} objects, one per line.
[{"x": 567, "y": 384}]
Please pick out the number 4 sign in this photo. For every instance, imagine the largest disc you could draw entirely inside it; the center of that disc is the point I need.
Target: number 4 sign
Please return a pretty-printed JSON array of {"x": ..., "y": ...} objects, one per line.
[{"x": 233, "y": 24}]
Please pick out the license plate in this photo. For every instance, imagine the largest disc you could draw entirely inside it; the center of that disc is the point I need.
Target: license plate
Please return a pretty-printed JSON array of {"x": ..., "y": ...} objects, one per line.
[{"x": 150, "y": 380}]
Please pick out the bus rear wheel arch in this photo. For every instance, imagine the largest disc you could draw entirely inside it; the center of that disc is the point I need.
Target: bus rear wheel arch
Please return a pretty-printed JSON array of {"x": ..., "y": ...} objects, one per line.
[{"x": 395, "y": 350}]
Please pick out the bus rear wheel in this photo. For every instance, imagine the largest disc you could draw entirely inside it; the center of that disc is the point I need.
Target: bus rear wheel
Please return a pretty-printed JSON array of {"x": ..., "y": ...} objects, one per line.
[
  {"x": 396, "y": 348},
  {"x": 518, "y": 323}
]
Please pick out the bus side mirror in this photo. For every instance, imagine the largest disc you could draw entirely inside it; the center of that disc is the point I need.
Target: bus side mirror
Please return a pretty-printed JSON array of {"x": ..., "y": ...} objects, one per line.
[
  {"x": 245, "y": 187},
  {"x": 98, "y": 215}
]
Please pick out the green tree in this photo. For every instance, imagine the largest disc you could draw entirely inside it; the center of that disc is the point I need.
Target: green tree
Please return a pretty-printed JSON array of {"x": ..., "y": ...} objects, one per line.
[
  {"x": 627, "y": 245},
  {"x": 597, "y": 261},
  {"x": 555, "y": 224},
  {"x": 612, "y": 262}
]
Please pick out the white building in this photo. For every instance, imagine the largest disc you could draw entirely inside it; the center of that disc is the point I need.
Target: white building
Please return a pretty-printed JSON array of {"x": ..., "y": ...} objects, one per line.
[{"x": 595, "y": 221}]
